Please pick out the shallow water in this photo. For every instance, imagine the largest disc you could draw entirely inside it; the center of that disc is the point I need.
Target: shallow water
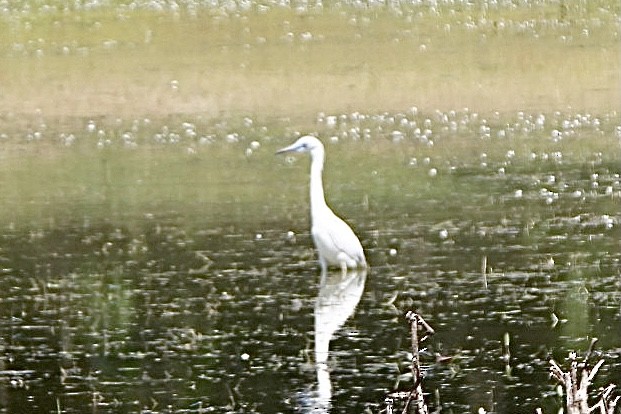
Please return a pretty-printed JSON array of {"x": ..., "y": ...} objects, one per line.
[{"x": 166, "y": 280}]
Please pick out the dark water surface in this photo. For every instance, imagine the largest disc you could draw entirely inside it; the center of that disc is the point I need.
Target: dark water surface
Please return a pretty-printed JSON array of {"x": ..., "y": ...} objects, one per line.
[{"x": 212, "y": 304}]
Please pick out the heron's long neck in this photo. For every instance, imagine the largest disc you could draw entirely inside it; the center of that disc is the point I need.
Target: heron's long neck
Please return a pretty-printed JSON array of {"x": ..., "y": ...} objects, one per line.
[{"x": 317, "y": 198}]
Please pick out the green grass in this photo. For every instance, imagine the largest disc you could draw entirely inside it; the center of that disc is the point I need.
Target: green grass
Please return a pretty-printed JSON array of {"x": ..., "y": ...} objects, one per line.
[{"x": 357, "y": 60}]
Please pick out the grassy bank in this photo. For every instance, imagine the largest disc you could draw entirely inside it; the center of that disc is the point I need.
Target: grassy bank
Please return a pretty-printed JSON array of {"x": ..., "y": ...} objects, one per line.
[{"x": 285, "y": 63}]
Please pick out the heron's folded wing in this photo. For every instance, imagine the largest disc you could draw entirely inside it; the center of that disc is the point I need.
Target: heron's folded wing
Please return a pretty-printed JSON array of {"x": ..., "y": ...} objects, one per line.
[{"x": 345, "y": 239}]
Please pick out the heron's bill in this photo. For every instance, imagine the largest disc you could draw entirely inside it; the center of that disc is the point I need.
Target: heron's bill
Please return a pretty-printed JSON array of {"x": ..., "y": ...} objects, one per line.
[{"x": 286, "y": 149}]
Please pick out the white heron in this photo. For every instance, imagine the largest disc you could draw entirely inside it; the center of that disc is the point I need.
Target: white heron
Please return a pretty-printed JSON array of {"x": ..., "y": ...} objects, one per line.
[{"x": 335, "y": 241}]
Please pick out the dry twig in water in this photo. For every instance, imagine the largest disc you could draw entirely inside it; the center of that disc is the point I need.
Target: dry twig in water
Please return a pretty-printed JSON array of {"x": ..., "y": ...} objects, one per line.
[
  {"x": 577, "y": 381},
  {"x": 417, "y": 390}
]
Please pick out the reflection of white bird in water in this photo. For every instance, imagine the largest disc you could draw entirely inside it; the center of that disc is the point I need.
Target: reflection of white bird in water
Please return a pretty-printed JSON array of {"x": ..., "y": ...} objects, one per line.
[
  {"x": 335, "y": 241},
  {"x": 336, "y": 301}
]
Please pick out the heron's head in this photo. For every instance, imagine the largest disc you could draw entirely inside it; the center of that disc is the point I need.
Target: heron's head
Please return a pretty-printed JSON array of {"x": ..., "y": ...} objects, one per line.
[{"x": 307, "y": 143}]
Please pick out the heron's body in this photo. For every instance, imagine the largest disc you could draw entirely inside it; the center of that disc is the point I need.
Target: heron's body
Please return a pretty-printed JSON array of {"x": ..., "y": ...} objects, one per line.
[{"x": 336, "y": 243}]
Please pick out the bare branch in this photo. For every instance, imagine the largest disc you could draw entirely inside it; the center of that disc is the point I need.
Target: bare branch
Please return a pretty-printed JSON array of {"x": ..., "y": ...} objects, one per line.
[
  {"x": 596, "y": 368},
  {"x": 556, "y": 371},
  {"x": 577, "y": 393},
  {"x": 425, "y": 325},
  {"x": 417, "y": 391},
  {"x": 589, "y": 351}
]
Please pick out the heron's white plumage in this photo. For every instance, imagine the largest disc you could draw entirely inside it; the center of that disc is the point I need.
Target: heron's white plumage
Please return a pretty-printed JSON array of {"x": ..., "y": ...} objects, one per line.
[{"x": 335, "y": 241}]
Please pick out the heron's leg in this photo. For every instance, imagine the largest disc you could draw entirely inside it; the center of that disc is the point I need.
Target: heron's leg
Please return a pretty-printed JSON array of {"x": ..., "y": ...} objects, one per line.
[
  {"x": 324, "y": 270},
  {"x": 343, "y": 269}
]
